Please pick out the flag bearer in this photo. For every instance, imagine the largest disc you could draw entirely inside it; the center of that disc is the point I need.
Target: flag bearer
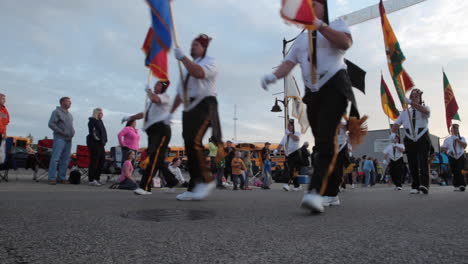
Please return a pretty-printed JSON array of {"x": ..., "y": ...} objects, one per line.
[
  {"x": 455, "y": 146},
  {"x": 417, "y": 142}
]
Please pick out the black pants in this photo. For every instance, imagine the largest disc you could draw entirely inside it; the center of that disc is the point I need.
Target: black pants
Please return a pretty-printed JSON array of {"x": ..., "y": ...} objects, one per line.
[
  {"x": 294, "y": 162},
  {"x": 159, "y": 135},
  {"x": 97, "y": 157},
  {"x": 397, "y": 170},
  {"x": 418, "y": 160},
  {"x": 324, "y": 111},
  {"x": 456, "y": 166},
  {"x": 194, "y": 126},
  {"x": 336, "y": 177}
]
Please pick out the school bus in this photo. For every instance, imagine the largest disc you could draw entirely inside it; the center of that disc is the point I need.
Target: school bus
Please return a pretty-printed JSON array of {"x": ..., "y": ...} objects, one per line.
[{"x": 256, "y": 150}]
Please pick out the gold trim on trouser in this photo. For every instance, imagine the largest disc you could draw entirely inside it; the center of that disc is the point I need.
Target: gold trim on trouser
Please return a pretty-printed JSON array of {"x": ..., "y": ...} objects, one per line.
[
  {"x": 199, "y": 150},
  {"x": 331, "y": 167},
  {"x": 153, "y": 165}
]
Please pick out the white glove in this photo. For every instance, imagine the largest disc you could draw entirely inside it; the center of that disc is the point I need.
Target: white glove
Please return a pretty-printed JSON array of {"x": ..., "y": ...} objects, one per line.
[
  {"x": 147, "y": 88},
  {"x": 275, "y": 152},
  {"x": 319, "y": 23},
  {"x": 125, "y": 119},
  {"x": 168, "y": 119},
  {"x": 408, "y": 101},
  {"x": 268, "y": 79},
  {"x": 179, "y": 54},
  {"x": 392, "y": 137}
]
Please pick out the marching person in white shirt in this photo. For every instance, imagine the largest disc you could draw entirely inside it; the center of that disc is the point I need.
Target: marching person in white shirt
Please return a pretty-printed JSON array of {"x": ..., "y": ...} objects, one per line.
[
  {"x": 327, "y": 99},
  {"x": 291, "y": 144},
  {"x": 417, "y": 141},
  {"x": 454, "y": 146},
  {"x": 394, "y": 153},
  {"x": 159, "y": 135},
  {"x": 200, "y": 113}
]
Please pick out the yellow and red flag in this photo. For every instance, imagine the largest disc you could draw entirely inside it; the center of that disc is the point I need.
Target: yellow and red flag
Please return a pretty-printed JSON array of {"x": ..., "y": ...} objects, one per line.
[
  {"x": 395, "y": 57},
  {"x": 451, "y": 106},
  {"x": 388, "y": 104},
  {"x": 299, "y": 12}
]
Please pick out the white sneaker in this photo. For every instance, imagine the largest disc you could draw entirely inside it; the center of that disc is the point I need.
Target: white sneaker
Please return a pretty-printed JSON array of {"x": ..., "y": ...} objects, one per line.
[
  {"x": 352, "y": 186},
  {"x": 312, "y": 201},
  {"x": 203, "y": 190},
  {"x": 399, "y": 188},
  {"x": 297, "y": 189},
  {"x": 94, "y": 183},
  {"x": 286, "y": 187},
  {"x": 414, "y": 191},
  {"x": 140, "y": 191},
  {"x": 334, "y": 200},
  {"x": 326, "y": 200},
  {"x": 185, "y": 196}
]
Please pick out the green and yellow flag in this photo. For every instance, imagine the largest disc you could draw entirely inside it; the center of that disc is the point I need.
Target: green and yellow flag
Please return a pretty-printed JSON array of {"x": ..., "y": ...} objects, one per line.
[
  {"x": 395, "y": 57},
  {"x": 451, "y": 106},
  {"x": 388, "y": 104}
]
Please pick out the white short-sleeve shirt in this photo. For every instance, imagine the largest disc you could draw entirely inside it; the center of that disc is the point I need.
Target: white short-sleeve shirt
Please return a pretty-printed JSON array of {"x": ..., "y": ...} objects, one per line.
[
  {"x": 393, "y": 152},
  {"x": 292, "y": 144},
  {"x": 330, "y": 59},
  {"x": 198, "y": 89},
  {"x": 456, "y": 152},
  {"x": 421, "y": 126},
  {"x": 157, "y": 112}
]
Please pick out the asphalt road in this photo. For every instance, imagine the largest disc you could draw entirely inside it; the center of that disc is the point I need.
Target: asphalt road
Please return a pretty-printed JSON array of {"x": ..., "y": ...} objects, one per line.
[{"x": 40, "y": 223}]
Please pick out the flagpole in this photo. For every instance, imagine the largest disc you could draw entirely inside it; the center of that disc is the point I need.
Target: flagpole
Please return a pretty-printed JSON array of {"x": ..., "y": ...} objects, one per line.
[
  {"x": 174, "y": 34},
  {"x": 311, "y": 56},
  {"x": 148, "y": 83}
]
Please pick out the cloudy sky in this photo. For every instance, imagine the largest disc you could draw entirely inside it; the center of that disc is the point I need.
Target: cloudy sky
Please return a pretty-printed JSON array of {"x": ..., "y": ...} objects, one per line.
[{"x": 90, "y": 50}]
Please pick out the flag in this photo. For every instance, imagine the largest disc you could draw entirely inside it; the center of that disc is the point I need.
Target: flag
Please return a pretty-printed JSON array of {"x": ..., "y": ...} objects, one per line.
[
  {"x": 388, "y": 104},
  {"x": 395, "y": 57},
  {"x": 299, "y": 109},
  {"x": 299, "y": 12},
  {"x": 158, "y": 40},
  {"x": 451, "y": 106}
]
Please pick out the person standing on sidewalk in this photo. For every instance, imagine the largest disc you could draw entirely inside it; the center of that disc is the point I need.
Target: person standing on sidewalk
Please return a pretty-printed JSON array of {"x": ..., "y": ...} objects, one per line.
[
  {"x": 61, "y": 123},
  {"x": 96, "y": 140},
  {"x": 4, "y": 118}
]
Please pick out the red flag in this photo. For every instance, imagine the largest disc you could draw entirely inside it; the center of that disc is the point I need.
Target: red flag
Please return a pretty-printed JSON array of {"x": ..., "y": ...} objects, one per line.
[{"x": 299, "y": 12}]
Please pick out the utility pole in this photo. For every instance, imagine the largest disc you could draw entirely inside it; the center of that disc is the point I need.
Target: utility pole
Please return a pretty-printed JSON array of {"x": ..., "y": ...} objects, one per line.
[{"x": 235, "y": 123}]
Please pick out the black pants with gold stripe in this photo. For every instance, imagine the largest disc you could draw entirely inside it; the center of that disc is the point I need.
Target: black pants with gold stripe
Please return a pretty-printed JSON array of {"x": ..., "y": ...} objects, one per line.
[
  {"x": 159, "y": 135},
  {"x": 194, "y": 126},
  {"x": 324, "y": 111}
]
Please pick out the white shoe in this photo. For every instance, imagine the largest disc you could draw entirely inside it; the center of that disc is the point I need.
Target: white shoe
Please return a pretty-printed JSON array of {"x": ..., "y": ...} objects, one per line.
[
  {"x": 140, "y": 191},
  {"x": 334, "y": 200},
  {"x": 326, "y": 200},
  {"x": 203, "y": 190},
  {"x": 94, "y": 183},
  {"x": 460, "y": 189},
  {"x": 312, "y": 201},
  {"x": 286, "y": 187},
  {"x": 399, "y": 188},
  {"x": 297, "y": 189},
  {"x": 352, "y": 186},
  {"x": 414, "y": 191},
  {"x": 185, "y": 196}
]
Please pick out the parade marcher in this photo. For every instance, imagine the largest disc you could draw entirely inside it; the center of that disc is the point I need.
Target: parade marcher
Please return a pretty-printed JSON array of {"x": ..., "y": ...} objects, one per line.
[
  {"x": 327, "y": 99},
  {"x": 96, "y": 140},
  {"x": 290, "y": 144},
  {"x": 61, "y": 123},
  {"x": 198, "y": 92},
  {"x": 454, "y": 146},
  {"x": 4, "y": 118},
  {"x": 394, "y": 153},
  {"x": 158, "y": 129},
  {"x": 417, "y": 142}
]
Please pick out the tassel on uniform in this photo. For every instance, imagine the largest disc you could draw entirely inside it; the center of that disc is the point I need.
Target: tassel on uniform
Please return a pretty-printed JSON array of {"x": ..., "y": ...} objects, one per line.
[{"x": 357, "y": 130}]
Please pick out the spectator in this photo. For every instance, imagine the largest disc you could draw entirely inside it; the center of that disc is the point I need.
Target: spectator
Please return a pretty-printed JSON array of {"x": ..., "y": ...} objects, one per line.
[
  {"x": 229, "y": 150},
  {"x": 126, "y": 180},
  {"x": 267, "y": 165},
  {"x": 61, "y": 123},
  {"x": 369, "y": 171},
  {"x": 96, "y": 140},
  {"x": 213, "y": 151},
  {"x": 305, "y": 154},
  {"x": 129, "y": 138},
  {"x": 4, "y": 118},
  {"x": 174, "y": 169},
  {"x": 248, "y": 173},
  {"x": 238, "y": 167}
]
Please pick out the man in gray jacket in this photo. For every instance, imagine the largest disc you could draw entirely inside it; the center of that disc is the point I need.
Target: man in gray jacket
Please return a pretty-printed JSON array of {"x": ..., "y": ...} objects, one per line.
[{"x": 61, "y": 123}]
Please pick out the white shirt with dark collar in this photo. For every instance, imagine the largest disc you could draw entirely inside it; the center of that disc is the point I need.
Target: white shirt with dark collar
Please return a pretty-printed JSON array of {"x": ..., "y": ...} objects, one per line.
[
  {"x": 393, "y": 152},
  {"x": 198, "y": 89},
  {"x": 421, "y": 126},
  {"x": 157, "y": 112},
  {"x": 292, "y": 144},
  {"x": 330, "y": 59},
  {"x": 454, "y": 152}
]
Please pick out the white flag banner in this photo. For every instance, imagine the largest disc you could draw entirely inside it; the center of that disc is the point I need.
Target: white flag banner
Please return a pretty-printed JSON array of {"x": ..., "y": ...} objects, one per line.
[{"x": 299, "y": 109}]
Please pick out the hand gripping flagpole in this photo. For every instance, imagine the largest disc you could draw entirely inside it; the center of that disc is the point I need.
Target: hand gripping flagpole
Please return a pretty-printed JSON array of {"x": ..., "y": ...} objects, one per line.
[{"x": 174, "y": 34}]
